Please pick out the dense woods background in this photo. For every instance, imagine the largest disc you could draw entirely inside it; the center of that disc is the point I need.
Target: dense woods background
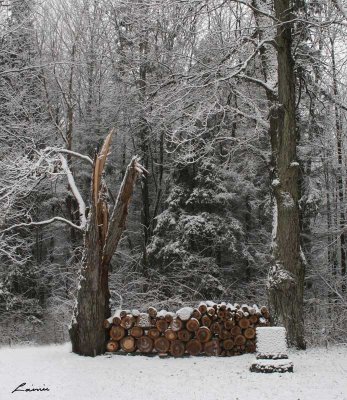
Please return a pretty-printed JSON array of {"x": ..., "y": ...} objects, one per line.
[{"x": 190, "y": 87}]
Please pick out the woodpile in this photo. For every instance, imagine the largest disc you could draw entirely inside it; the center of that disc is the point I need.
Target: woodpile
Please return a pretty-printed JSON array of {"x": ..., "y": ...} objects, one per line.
[{"x": 211, "y": 329}]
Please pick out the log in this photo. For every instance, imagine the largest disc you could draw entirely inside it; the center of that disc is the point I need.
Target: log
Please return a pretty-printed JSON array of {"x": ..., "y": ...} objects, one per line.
[
  {"x": 196, "y": 314},
  {"x": 245, "y": 308},
  {"x": 264, "y": 310},
  {"x": 225, "y": 334},
  {"x": 176, "y": 324},
  {"x": 169, "y": 317},
  {"x": 203, "y": 334},
  {"x": 184, "y": 335},
  {"x": 250, "y": 347},
  {"x": 202, "y": 308},
  {"x": 249, "y": 333},
  {"x": 229, "y": 324},
  {"x": 153, "y": 333},
  {"x": 244, "y": 323},
  {"x": 211, "y": 311},
  {"x": 117, "y": 332},
  {"x": 216, "y": 328},
  {"x": 194, "y": 347},
  {"x": 145, "y": 344},
  {"x": 116, "y": 321},
  {"x": 123, "y": 313},
  {"x": 152, "y": 312},
  {"x": 170, "y": 334},
  {"x": 228, "y": 344},
  {"x": 162, "y": 325},
  {"x": 136, "y": 331},
  {"x": 253, "y": 319},
  {"x": 193, "y": 325},
  {"x": 240, "y": 340},
  {"x": 177, "y": 348},
  {"x": 128, "y": 344},
  {"x": 235, "y": 330},
  {"x": 112, "y": 345},
  {"x": 128, "y": 321},
  {"x": 206, "y": 320},
  {"x": 221, "y": 314},
  {"x": 212, "y": 348},
  {"x": 161, "y": 344},
  {"x": 107, "y": 324}
]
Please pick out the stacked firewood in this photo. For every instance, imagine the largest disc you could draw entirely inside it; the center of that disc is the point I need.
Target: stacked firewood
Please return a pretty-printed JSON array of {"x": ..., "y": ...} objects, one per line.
[{"x": 213, "y": 329}]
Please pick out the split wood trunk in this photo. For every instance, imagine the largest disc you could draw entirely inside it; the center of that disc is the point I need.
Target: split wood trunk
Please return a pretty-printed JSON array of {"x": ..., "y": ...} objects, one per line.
[{"x": 87, "y": 331}]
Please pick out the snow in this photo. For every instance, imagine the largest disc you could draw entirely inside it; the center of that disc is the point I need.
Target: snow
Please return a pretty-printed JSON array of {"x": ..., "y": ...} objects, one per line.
[
  {"x": 318, "y": 374},
  {"x": 144, "y": 320},
  {"x": 184, "y": 313},
  {"x": 271, "y": 340},
  {"x": 274, "y": 224},
  {"x": 287, "y": 200}
]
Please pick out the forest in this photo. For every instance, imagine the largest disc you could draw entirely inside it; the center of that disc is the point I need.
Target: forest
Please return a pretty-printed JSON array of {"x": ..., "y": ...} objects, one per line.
[{"x": 236, "y": 111}]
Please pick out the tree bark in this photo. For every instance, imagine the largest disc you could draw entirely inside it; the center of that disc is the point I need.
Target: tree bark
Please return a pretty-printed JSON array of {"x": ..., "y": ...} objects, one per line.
[{"x": 286, "y": 276}]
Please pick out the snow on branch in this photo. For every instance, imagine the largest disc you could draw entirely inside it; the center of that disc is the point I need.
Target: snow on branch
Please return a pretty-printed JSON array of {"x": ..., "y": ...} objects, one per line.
[
  {"x": 73, "y": 153},
  {"x": 75, "y": 191},
  {"x": 41, "y": 223},
  {"x": 341, "y": 7}
]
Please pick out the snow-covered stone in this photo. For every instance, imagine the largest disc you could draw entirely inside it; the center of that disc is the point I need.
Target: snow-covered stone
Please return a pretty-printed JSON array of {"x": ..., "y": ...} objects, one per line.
[
  {"x": 271, "y": 340},
  {"x": 272, "y": 366},
  {"x": 271, "y": 351}
]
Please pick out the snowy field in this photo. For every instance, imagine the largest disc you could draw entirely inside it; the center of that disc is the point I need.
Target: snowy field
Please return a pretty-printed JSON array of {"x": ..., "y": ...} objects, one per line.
[{"x": 319, "y": 374}]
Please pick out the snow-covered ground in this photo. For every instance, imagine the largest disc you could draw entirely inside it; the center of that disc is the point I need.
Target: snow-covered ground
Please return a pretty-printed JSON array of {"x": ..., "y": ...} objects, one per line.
[{"x": 319, "y": 374}]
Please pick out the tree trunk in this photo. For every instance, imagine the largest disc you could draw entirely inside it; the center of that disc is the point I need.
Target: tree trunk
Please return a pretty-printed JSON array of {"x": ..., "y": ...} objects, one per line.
[
  {"x": 87, "y": 332},
  {"x": 340, "y": 175},
  {"x": 286, "y": 276}
]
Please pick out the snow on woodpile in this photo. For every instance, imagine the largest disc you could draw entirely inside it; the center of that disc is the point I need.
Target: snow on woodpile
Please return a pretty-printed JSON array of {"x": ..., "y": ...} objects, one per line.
[
  {"x": 213, "y": 329},
  {"x": 184, "y": 313},
  {"x": 144, "y": 320}
]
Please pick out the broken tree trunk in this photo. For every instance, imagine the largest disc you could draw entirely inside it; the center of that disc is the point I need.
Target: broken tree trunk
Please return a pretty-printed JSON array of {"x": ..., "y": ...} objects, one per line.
[{"x": 101, "y": 239}]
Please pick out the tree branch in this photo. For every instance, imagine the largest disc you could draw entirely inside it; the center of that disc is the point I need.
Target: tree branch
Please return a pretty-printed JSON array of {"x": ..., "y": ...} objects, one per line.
[
  {"x": 120, "y": 210},
  {"x": 75, "y": 191},
  {"x": 42, "y": 223}
]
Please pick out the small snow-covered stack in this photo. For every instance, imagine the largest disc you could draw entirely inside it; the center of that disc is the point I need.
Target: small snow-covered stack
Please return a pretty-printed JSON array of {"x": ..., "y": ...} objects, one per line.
[
  {"x": 210, "y": 328},
  {"x": 271, "y": 351}
]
